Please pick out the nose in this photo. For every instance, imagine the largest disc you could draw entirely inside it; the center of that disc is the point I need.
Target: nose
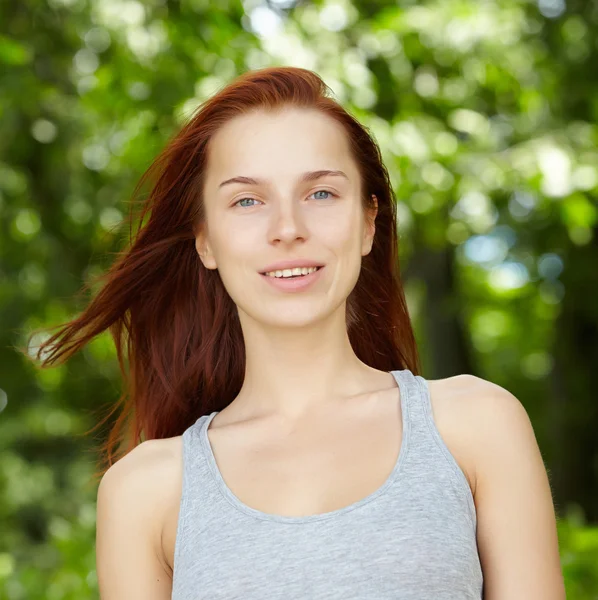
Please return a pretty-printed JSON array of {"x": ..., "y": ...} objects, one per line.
[{"x": 288, "y": 223}]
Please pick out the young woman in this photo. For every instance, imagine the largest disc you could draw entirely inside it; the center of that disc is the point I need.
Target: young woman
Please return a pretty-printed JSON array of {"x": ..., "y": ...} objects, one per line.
[{"x": 281, "y": 441}]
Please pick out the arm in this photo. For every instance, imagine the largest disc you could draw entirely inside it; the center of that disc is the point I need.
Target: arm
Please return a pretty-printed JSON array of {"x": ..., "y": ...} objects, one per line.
[
  {"x": 517, "y": 535},
  {"x": 129, "y": 562}
]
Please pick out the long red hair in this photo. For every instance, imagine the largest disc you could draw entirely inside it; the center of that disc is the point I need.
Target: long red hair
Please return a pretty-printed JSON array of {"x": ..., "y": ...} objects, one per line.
[{"x": 178, "y": 338}]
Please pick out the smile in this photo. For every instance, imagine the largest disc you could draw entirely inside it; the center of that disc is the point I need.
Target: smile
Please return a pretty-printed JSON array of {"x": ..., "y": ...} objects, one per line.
[{"x": 295, "y": 280}]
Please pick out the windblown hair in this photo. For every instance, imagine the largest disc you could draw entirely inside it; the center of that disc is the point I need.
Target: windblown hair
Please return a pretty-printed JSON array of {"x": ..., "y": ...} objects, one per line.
[{"x": 177, "y": 333}]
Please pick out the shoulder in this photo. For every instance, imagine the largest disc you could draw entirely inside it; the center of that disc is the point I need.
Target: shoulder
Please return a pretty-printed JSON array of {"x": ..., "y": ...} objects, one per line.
[
  {"x": 142, "y": 487},
  {"x": 516, "y": 524},
  {"x": 142, "y": 467},
  {"x": 479, "y": 420},
  {"x": 477, "y": 398}
]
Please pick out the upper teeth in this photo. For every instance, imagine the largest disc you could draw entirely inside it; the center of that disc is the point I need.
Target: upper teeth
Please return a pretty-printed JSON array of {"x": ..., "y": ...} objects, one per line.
[{"x": 292, "y": 272}]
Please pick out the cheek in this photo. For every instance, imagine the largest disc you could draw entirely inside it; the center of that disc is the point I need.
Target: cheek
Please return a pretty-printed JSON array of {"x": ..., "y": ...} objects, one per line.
[
  {"x": 237, "y": 241},
  {"x": 341, "y": 232}
]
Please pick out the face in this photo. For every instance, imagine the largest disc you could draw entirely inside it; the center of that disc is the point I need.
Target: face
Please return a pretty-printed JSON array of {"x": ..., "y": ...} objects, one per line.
[{"x": 283, "y": 215}]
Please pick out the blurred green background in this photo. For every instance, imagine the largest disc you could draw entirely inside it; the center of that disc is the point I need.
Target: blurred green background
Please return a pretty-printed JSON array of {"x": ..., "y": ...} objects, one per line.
[{"x": 486, "y": 115}]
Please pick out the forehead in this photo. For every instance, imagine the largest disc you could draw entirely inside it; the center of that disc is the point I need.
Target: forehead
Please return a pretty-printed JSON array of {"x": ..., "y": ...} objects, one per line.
[{"x": 285, "y": 142}]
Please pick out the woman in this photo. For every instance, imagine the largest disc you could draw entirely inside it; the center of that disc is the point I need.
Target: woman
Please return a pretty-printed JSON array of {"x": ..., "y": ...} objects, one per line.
[{"x": 289, "y": 449}]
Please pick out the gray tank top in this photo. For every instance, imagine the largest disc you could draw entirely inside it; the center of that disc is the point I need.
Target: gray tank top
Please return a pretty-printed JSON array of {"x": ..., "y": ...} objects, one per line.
[{"x": 414, "y": 538}]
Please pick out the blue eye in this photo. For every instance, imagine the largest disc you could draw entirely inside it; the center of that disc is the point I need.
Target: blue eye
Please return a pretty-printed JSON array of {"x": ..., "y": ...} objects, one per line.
[
  {"x": 330, "y": 194},
  {"x": 241, "y": 200},
  {"x": 325, "y": 192}
]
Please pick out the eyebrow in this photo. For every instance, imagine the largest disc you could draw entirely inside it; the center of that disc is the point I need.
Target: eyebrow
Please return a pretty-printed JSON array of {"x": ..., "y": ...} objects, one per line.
[{"x": 308, "y": 176}]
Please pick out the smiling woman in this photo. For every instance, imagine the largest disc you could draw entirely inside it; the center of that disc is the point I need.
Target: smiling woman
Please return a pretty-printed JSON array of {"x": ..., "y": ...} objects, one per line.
[
  {"x": 287, "y": 219},
  {"x": 289, "y": 447}
]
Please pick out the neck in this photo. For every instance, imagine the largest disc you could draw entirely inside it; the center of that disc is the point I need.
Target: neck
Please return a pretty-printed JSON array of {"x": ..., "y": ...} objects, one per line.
[{"x": 294, "y": 371}]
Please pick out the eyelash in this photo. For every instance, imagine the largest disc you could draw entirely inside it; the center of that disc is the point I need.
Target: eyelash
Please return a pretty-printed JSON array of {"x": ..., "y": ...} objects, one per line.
[{"x": 315, "y": 192}]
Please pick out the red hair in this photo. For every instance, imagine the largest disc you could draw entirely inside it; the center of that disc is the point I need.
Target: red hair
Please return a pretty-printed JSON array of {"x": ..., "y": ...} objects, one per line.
[{"x": 173, "y": 323}]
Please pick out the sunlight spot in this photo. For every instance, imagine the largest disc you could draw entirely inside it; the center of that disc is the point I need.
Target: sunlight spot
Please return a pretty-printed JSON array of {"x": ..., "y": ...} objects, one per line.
[
  {"x": 555, "y": 165},
  {"x": 44, "y": 131},
  {"x": 264, "y": 21},
  {"x": 508, "y": 276},
  {"x": 334, "y": 17}
]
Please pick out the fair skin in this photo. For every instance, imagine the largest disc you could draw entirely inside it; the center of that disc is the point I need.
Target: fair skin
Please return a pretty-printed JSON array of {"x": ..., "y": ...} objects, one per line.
[{"x": 305, "y": 394}]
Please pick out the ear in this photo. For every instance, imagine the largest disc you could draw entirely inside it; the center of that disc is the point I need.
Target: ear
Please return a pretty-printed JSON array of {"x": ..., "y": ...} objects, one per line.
[
  {"x": 370, "y": 227},
  {"x": 204, "y": 249}
]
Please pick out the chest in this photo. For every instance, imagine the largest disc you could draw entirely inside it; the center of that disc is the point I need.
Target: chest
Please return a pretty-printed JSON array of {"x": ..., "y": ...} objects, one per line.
[
  {"x": 326, "y": 468},
  {"x": 413, "y": 543},
  {"x": 314, "y": 470},
  {"x": 320, "y": 469}
]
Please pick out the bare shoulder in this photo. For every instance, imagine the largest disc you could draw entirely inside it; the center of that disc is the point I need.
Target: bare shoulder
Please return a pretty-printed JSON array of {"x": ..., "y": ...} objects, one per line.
[
  {"x": 469, "y": 412},
  {"x": 489, "y": 431},
  {"x": 474, "y": 397},
  {"x": 145, "y": 468},
  {"x": 146, "y": 484}
]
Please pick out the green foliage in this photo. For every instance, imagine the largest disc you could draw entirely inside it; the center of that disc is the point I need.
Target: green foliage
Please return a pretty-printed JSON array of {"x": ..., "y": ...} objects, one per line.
[
  {"x": 486, "y": 116},
  {"x": 578, "y": 543}
]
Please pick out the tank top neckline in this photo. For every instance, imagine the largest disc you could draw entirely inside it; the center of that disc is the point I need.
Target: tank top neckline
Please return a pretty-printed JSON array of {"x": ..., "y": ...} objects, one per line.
[{"x": 204, "y": 423}]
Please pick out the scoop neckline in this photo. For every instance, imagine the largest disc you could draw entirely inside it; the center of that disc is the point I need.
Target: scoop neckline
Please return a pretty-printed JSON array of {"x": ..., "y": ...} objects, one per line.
[{"x": 241, "y": 506}]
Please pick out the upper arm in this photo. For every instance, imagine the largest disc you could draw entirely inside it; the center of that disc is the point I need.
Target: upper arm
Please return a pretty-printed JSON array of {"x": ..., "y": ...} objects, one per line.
[
  {"x": 517, "y": 535},
  {"x": 128, "y": 526}
]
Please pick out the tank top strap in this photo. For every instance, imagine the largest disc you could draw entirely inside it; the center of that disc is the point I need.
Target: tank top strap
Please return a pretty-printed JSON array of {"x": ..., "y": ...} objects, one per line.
[
  {"x": 426, "y": 444},
  {"x": 196, "y": 467},
  {"x": 416, "y": 402}
]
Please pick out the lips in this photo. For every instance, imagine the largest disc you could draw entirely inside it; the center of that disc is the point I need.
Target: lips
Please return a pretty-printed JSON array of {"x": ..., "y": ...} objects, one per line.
[{"x": 293, "y": 284}]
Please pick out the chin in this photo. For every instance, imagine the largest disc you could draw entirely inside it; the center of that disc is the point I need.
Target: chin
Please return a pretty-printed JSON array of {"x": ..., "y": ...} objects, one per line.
[{"x": 292, "y": 318}]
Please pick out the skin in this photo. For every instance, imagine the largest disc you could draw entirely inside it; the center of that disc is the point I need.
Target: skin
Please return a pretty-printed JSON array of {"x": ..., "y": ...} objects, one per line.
[
  {"x": 344, "y": 410},
  {"x": 288, "y": 335}
]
